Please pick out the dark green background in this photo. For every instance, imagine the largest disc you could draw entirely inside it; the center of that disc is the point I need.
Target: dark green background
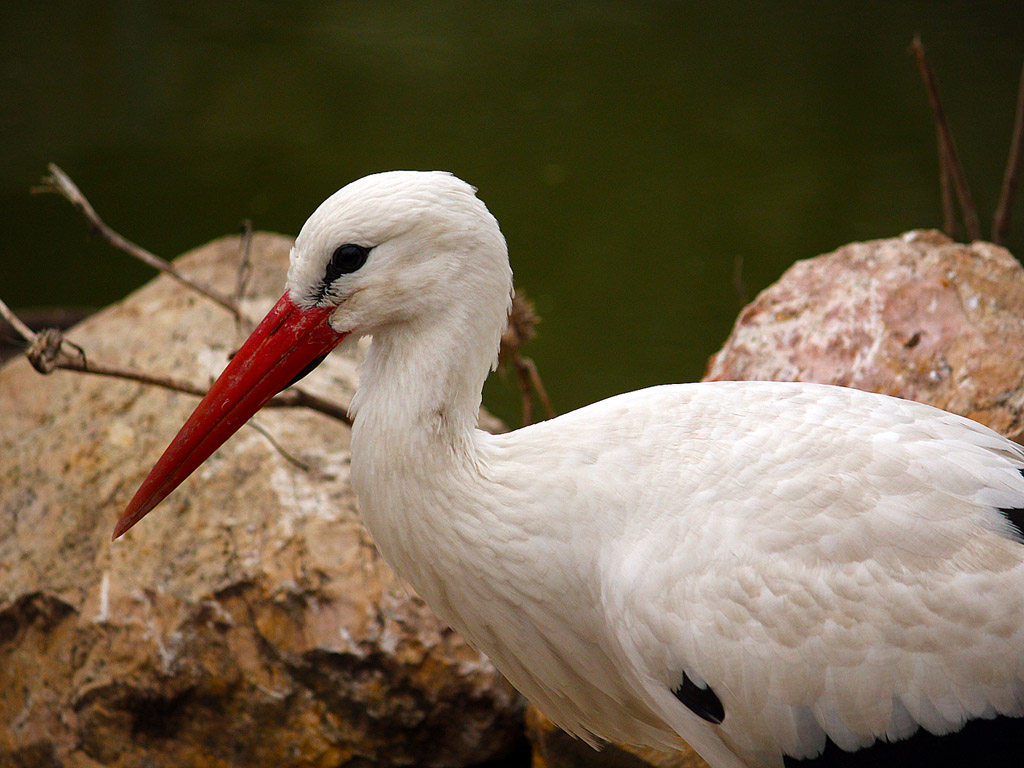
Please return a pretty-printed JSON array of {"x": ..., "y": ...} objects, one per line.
[{"x": 632, "y": 151}]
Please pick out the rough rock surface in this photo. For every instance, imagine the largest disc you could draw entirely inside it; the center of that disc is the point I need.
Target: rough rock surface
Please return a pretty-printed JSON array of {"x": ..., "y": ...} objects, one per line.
[
  {"x": 246, "y": 622},
  {"x": 917, "y": 316}
]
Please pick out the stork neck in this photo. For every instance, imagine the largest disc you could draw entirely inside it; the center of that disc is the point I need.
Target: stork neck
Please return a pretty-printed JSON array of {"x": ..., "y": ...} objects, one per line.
[
  {"x": 422, "y": 387},
  {"x": 415, "y": 452}
]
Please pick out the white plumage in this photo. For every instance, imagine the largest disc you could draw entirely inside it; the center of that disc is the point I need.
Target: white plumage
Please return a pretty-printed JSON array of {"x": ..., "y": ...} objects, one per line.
[{"x": 798, "y": 562}]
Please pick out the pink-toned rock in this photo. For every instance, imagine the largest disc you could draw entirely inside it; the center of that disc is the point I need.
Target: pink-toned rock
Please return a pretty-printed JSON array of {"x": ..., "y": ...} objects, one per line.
[
  {"x": 247, "y": 622},
  {"x": 917, "y": 316}
]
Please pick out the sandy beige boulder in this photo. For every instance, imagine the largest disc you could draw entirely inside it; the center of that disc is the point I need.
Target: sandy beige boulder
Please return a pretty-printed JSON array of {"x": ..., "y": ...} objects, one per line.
[{"x": 246, "y": 622}]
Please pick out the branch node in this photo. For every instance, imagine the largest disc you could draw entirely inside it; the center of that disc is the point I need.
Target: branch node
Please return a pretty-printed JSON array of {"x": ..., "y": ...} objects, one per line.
[{"x": 45, "y": 349}]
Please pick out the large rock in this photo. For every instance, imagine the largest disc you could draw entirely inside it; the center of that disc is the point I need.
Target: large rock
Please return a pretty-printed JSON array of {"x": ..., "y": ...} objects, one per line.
[
  {"x": 246, "y": 622},
  {"x": 917, "y": 316}
]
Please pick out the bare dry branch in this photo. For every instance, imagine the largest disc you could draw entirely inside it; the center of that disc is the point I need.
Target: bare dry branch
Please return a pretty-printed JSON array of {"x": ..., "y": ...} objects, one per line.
[
  {"x": 1001, "y": 220},
  {"x": 59, "y": 182},
  {"x": 49, "y": 350},
  {"x": 947, "y": 146},
  {"x": 47, "y": 353}
]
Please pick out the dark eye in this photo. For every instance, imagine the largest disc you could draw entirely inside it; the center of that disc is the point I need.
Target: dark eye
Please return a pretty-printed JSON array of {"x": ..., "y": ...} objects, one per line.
[{"x": 345, "y": 259}]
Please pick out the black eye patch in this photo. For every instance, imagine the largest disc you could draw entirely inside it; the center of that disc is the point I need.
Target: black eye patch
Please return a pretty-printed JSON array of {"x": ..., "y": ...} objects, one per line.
[{"x": 345, "y": 259}]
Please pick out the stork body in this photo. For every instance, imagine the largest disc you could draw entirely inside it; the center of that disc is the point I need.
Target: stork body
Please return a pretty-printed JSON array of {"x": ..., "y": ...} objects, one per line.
[{"x": 772, "y": 572}]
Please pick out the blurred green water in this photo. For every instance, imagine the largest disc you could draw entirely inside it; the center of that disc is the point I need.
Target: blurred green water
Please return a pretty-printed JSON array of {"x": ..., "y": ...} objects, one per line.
[{"x": 633, "y": 152}]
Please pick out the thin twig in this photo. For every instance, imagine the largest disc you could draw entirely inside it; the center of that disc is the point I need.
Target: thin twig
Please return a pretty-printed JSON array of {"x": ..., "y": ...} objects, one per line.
[
  {"x": 949, "y": 225},
  {"x": 277, "y": 446},
  {"x": 530, "y": 384},
  {"x": 16, "y": 323},
  {"x": 60, "y": 182},
  {"x": 948, "y": 145},
  {"x": 522, "y": 321},
  {"x": 294, "y": 397},
  {"x": 244, "y": 272},
  {"x": 47, "y": 352},
  {"x": 737, "y": 280},
  {"x": 525, "y": 390},
  {"x": 1001, "y": 220},
  {"x": 542, "y": 393}
]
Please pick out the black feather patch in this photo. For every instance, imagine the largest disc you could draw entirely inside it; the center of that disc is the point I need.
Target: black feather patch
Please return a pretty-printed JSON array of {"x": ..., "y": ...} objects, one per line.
[
  {"x": 701, "y": 701},
  {"x": 1015, "y": 514},
  {"x": 984, "y": 743},
  {"x": 1016, "y": 517}
]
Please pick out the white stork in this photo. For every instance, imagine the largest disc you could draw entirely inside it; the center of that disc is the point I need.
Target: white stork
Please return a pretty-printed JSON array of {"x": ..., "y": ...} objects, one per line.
[{"x": 780, "y": 574}]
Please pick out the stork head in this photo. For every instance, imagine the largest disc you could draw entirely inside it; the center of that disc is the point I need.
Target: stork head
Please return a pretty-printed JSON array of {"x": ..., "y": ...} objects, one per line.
[
  {"x": 395, "y": 248},
  {"x": 392, "y": 250}
]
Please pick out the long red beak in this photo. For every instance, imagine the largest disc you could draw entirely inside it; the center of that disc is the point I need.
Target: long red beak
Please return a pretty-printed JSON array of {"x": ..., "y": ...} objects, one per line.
[{"x": 286, "y": 345}]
